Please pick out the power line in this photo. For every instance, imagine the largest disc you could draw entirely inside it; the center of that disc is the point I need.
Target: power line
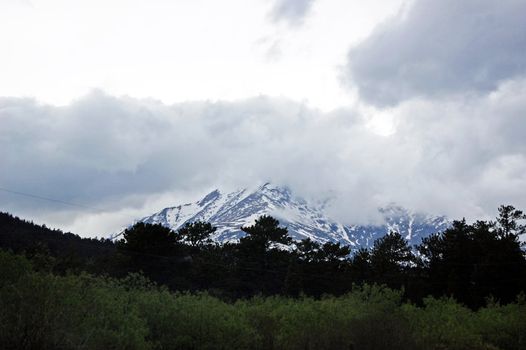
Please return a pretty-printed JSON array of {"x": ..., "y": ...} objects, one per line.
[{"x": 49, "y": 199}]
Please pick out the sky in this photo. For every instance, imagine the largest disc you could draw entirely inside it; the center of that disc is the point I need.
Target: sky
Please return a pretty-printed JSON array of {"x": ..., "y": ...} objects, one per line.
[{"x": 125, "y": 107}]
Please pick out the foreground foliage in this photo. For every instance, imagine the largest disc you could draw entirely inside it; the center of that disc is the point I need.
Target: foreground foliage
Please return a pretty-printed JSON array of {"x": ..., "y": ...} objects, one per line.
[{"x": 39, "y": 310}]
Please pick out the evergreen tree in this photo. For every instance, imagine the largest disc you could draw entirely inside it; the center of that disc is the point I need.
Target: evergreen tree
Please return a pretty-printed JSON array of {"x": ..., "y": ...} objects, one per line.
[
  {"x": 334, "y": 252},
  {"x": 308, "y": 250},
  {"x": 262, "y": 266},
  {"x": 197, "y": 233},
  {"x": 265, "y": 233},
  {"x": 361, "y": 266},
  {"x": 391, "y": 256},
  {"x": 508, "y": 224},
  {"x": 149, "y": 239},
  {"x": 471, "y": 262}
]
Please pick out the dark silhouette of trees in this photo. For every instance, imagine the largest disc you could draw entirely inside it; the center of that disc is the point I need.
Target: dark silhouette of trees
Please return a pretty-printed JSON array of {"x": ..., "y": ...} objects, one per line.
[
  {"x": 360, "y": 266},
  {"x": 308, "y": 250},
  {"x": 156, "y": 251},
  {"x": 197, "y": 233},
  {"x": 469, "y": 262},
  {"x": 264, "y": 234},
  {"x": 472, "y": 262},
  {"x": 55, "y": 250},
  {"x": 334, "y": 252},
  {"x": 390, "y": 258},
  {"x": 262, "y": 265},
  {"x": 509, "y": 222},
  {"x": 149, "y": 239}
]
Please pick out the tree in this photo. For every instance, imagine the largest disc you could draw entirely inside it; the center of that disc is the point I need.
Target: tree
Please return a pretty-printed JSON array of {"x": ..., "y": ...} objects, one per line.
[
  {"x": 508, "y": 222},
  {"x": 265, "y": 233},
  {"x": 334, "y": 252},
  {"x": 391, "y": 252},
  {"x": 308, "y": 250},
  {"x": 155, "y": 250},
  {"x": 361, "y": 265},
  {"x": 261, "y": 266},
  {"x": 197, "y": 233},
  {"x": 152, "y": 239},
  {"x": 390, "y": 257},
  {"x": 471, "y": 262}
]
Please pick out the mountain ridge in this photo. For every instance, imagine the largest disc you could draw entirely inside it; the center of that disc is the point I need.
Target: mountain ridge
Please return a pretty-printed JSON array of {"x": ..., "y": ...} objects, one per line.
[{"x": 229, "y": 211}]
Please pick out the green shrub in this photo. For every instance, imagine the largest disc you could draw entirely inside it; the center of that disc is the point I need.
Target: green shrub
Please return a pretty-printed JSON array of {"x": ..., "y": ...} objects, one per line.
[
  {"x": 368, "y": 318},
  {"x": 199, "y": 321},
  {"x": 12, "y": 267},
  {"x": 504, "y": 326},
  {"x": 42, "y": 311},
  {"x": 443, "y": 324}
]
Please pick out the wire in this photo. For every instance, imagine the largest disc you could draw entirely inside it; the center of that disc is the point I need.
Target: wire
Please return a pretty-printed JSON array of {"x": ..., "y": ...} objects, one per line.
[{"x": 49, "y": 199}]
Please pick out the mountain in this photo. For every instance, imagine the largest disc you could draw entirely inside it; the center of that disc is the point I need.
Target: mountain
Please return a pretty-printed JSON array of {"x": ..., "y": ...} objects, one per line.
[{"x": 230, "y": 211}]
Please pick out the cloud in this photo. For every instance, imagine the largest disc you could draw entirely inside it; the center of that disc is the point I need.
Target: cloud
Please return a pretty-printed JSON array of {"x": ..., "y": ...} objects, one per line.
[
  {"x": 461, "y": 157},
  {"x": 291, "y": 11},
  {"x": 440, "y": 48},
  {"x": 109, "y": 153},
  {"x": 470, "y": 150}
]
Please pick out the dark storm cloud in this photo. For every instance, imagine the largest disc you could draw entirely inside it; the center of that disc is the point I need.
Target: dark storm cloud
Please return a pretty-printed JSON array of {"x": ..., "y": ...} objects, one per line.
[
  {"x": 291, "y": 11},
  {"x": 439, "y": 48},
  {"x": 101, "y": 150}
]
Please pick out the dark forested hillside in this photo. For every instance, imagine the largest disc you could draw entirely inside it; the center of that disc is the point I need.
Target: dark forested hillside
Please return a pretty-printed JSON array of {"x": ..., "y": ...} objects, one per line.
[
  {"x": 18, "y": 235},
  {"x": 62, "y": 250}
]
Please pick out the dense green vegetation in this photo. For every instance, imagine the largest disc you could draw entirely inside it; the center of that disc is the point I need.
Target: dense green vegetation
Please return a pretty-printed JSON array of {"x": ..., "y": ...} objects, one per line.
[
  {"x": 39, "y": 310},
  {"x": 155, "y": 288}
]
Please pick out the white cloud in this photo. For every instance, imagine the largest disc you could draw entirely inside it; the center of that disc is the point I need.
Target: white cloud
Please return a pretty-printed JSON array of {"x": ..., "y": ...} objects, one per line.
[
  {"x": 178, "y": 51},
  {"x": 461, "y": 157}
]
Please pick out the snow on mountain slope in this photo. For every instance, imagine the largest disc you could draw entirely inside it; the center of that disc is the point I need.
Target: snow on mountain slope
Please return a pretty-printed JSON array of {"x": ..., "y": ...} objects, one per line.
[{"x": 230, "y": 211}]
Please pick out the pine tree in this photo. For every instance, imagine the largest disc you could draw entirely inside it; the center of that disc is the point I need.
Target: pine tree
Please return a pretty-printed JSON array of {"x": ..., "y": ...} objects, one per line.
[
  {"x": 197, "y": 233},
  {"x": 149, "y": 239},
  {"x": 265, "y": 233},
  {"x": 391, "y": 256}
]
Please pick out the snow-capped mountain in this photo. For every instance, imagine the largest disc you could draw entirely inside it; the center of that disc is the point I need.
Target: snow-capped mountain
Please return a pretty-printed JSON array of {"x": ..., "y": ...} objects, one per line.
[{"x": 230, "y": 211}]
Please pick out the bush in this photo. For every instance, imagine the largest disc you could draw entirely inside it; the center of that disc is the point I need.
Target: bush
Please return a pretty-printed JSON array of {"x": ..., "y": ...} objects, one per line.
[
  {"x": 186, "y": 321},
  {"x": 443, "y": 324},
  {"x": 368, "y": 318},
  {"x": 504, "y": 326},
  {"x": 12, "y": 267},
  {"x": 42, "y": 311}
]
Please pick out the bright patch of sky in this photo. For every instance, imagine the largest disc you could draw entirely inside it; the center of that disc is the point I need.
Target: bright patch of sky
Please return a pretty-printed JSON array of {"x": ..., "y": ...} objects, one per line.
[{"x": 58, "y": 50}]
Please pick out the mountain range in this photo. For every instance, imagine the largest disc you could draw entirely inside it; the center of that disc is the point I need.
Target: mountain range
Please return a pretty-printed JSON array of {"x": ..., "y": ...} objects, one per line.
[{"x": 229, "y": 211}]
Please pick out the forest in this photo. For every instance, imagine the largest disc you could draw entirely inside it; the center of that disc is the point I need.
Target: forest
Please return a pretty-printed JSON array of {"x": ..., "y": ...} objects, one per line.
[{"x": 155, "y": 288}]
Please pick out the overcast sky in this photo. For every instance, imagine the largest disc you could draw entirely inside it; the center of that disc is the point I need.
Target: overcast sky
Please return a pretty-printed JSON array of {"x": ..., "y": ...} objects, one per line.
[{"x": 126, "y": 107}]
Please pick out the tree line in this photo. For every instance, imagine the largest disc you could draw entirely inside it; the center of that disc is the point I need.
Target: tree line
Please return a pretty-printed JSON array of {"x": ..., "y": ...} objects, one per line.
[{"x": 469, "y": 262}]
